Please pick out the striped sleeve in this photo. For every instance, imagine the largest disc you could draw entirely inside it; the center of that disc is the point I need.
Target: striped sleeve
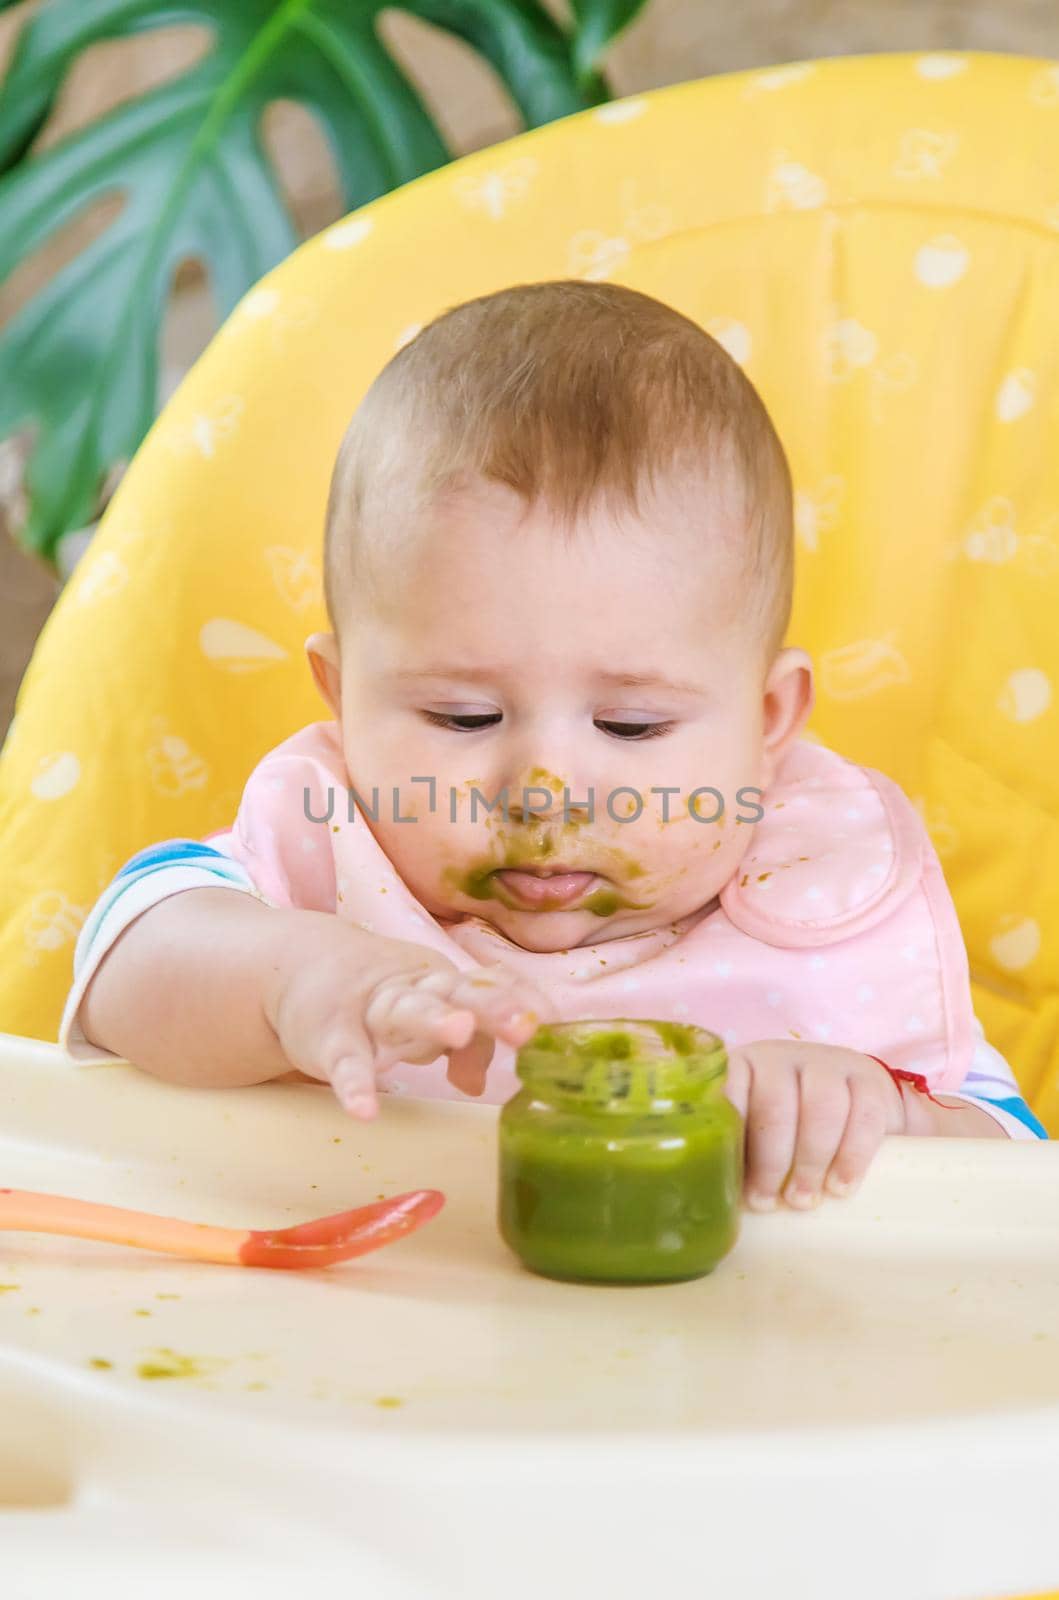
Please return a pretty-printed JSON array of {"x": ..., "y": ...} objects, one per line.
[
  {"x": 990, "y": 1084},
  {"x": 146, "y": 878}
]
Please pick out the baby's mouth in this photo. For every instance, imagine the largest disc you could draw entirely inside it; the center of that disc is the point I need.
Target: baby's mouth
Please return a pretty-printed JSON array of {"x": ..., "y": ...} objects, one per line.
[{"x": 546, "y": 886}]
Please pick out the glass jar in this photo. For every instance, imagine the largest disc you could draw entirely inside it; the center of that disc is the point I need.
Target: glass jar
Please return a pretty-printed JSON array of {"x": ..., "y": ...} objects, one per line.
[{"x": 621, "y": 1158}]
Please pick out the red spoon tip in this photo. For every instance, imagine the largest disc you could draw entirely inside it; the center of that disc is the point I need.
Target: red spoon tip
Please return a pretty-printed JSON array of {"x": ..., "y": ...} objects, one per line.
[{"x": 340, "y": 1237}]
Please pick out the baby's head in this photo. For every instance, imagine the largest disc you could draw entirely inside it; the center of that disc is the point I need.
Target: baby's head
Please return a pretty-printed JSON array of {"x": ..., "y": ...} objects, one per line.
[{"x": 559, "y": 556}]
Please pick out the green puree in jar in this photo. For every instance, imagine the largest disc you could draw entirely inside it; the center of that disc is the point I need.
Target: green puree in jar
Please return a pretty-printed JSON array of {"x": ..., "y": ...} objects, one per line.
[{"x": 621, "y": 1158}]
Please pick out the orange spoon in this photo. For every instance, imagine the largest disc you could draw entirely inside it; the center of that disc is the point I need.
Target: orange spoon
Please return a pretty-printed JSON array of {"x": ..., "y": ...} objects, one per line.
[{"x": 308, "y": 1244}]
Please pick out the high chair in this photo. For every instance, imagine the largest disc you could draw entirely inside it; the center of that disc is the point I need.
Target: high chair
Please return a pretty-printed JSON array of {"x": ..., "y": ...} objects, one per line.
[{"x": 876, "y": 240}]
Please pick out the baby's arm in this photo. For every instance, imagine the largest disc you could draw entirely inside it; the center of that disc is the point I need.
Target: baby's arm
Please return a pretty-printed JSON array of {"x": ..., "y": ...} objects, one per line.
[
  {"x": 948, "y": 1116},
  {"x": 147, "y": 878},
  {"x": 182, "y": 990},
  {"x": 816, "y": 1114},
  {"x": 206, "y": 984},
  {"x": 990, "y": 1092}
]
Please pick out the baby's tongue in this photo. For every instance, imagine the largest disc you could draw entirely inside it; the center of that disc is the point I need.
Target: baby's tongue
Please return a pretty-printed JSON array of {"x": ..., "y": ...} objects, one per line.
[{"x": 561, "y": 889}]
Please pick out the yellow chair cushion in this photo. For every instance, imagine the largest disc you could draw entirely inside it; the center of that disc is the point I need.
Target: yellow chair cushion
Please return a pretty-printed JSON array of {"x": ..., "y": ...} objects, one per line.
[{"x": 875, "y": 239}]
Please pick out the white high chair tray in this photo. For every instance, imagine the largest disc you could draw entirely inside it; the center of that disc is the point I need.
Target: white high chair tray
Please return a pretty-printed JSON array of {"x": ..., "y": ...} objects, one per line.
[{"x": 860, "y": 1400}]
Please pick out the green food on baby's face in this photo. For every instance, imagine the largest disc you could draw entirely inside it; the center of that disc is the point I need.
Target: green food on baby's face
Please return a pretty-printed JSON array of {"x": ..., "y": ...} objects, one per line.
[
  {"x": 481, "y": 880},
  {"x": 534, "y": 845}
]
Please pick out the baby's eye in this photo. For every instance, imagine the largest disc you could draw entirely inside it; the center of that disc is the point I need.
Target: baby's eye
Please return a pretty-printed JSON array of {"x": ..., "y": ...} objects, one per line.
[
  {"x": 458, "y": 724},
  {"x": 635, "y": 730}
]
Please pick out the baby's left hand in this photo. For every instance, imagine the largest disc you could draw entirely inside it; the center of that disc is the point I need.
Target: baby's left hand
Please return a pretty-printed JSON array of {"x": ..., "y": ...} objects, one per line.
[{"x": 815, "y": 1115}]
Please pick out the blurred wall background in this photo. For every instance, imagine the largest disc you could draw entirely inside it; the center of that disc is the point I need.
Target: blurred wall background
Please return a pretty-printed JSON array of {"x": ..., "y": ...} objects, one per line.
[{"x": 671, "y": 41}]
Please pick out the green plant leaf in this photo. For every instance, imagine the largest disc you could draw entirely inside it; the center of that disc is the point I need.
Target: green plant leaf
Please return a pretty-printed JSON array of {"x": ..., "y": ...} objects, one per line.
[
  {"x": 598, "y": 23},
  {"x": 79, "y": 362}
]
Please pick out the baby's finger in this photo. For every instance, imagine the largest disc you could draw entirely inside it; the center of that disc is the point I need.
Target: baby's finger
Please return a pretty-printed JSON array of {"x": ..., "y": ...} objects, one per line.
[
  {"x": 822, "y": 1118},
  {"x": 353, "y": 1081},
  {"x": 408, "y": 1022},
  {"x": 468, "y": 1067},
  {"x": 422, "y": 1026},
  {"x": 454, "y": 1028},
  {"x": 469, "y": 1050},
  {"x": 417, "y": 1026},
  {"x": 737, "y": 1081},
  {"x": 771, "y": 1128},
  {"x": 865, "y": 1131},
  {"x": 510, "y": 1008}
]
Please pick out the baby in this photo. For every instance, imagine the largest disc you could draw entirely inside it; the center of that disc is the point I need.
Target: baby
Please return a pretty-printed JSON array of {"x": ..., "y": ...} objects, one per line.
[{"x": 559, "y": 530}]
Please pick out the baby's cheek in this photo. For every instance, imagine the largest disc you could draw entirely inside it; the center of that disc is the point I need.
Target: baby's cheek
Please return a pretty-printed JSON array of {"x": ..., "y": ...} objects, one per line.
[
  {"x": 697, "y": 858},
  {"x": 418, "y": 851},
  {"x": 723, "y": 842}
]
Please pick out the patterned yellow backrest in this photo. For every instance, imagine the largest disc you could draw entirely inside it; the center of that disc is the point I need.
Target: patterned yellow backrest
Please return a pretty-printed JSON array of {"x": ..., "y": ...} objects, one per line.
[{"x": 875, "y": 239}]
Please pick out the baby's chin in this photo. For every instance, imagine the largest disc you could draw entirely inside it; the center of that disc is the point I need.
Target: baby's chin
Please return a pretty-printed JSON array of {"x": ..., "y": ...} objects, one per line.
[{"x": 550, "y": 932}]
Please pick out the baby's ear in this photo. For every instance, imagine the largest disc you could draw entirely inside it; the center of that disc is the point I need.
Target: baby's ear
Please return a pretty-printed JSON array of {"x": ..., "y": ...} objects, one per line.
[
  {"x": 322, "y": 651},
  {"x": 790, "y": 693}
]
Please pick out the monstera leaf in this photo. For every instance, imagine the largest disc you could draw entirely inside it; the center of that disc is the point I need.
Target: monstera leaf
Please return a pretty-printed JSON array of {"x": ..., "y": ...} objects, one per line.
[{"x": 79, "y": 363}]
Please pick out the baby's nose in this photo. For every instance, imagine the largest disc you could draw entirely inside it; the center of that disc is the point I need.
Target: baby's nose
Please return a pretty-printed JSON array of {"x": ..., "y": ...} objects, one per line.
[{"x": 549, "y": 798}]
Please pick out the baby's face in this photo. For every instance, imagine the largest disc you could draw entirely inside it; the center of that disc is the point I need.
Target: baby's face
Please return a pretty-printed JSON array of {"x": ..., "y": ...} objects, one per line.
[{"x": 612, "y": 664}]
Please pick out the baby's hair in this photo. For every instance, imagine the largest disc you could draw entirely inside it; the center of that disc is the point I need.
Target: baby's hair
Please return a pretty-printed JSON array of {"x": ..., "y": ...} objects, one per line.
[{"x": 565, "y": 391}]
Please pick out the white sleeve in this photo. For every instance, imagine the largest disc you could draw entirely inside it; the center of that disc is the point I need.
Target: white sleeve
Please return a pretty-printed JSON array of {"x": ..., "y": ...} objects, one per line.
[
  {"x": 991, "y": 1085},
  {"x": 149, "y": 876}
]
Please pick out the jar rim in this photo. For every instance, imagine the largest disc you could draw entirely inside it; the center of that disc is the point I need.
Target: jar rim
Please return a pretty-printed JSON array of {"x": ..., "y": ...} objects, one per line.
[{"x": 628, "y": 1062}]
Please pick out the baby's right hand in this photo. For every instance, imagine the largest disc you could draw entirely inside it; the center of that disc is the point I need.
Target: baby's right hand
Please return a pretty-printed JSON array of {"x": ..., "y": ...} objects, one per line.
[{"x": 347, "y": 1005}]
